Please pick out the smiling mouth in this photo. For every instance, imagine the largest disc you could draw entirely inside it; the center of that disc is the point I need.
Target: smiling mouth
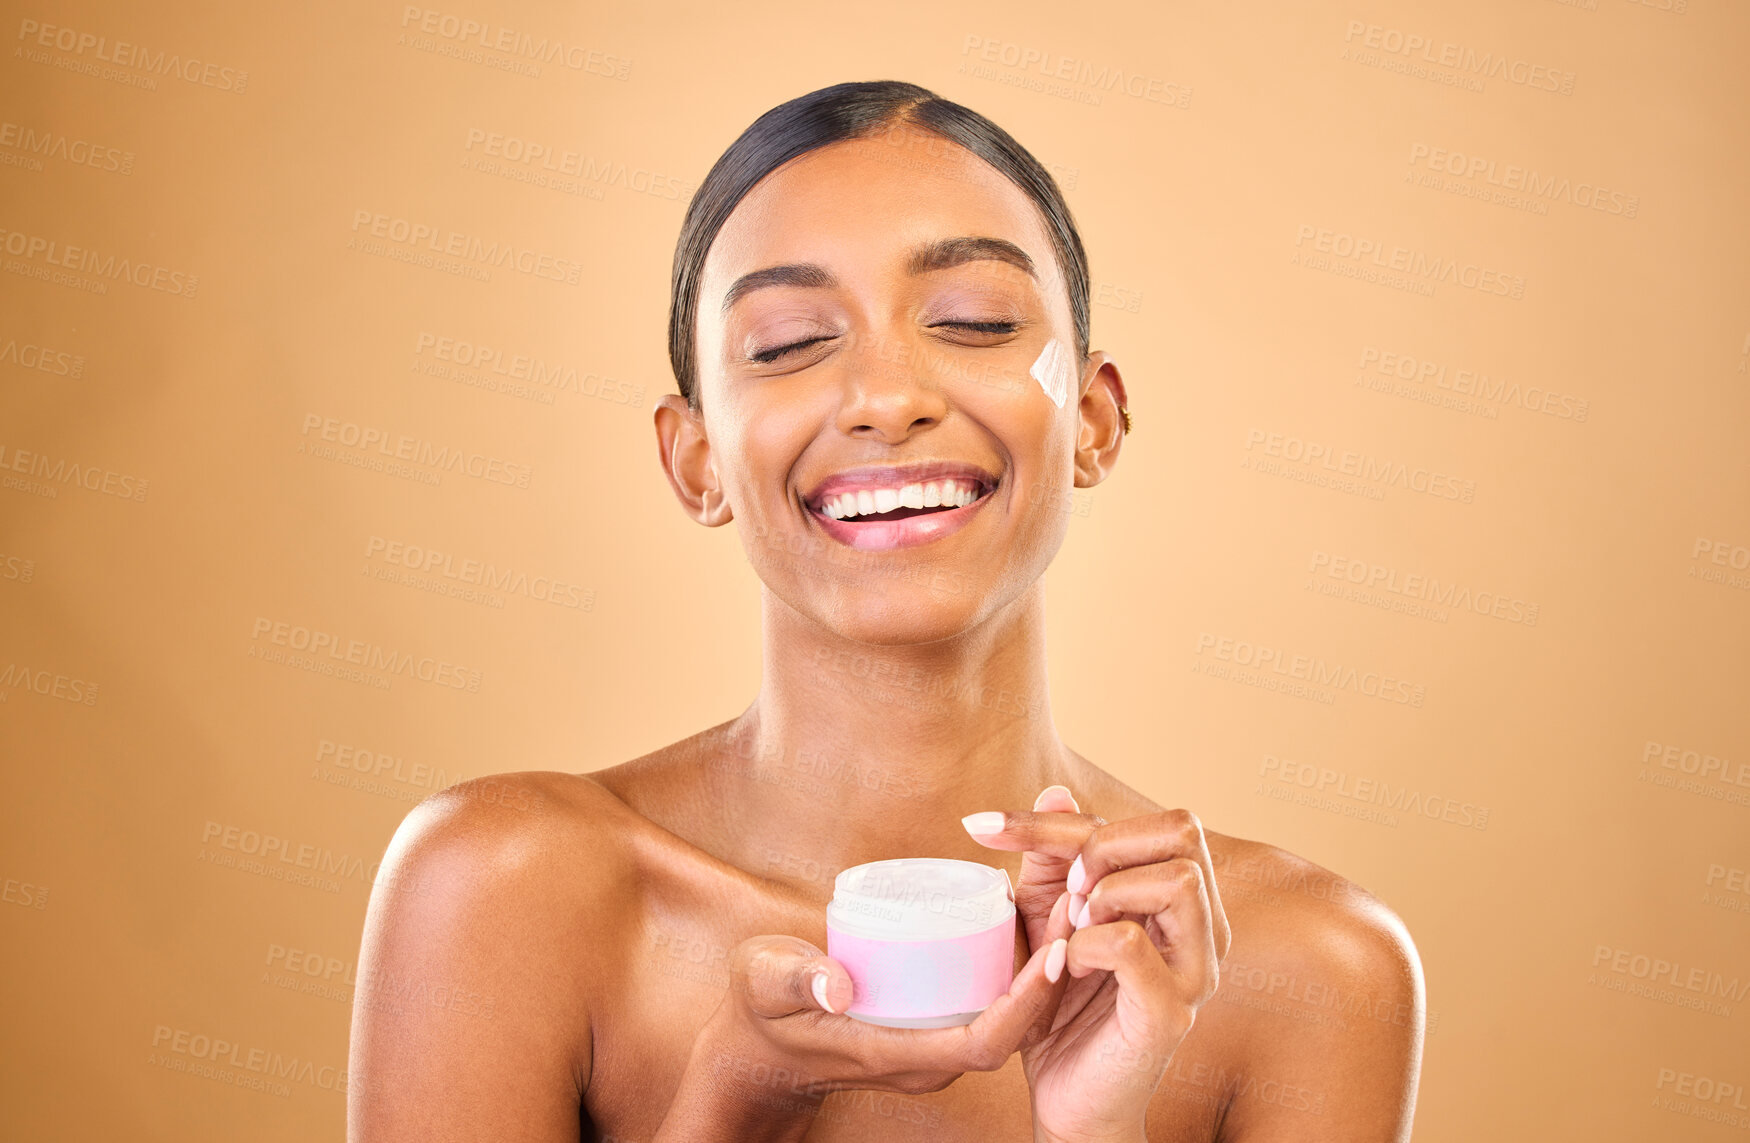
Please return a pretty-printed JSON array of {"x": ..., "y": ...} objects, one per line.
[{"x": 871, "y": 505}]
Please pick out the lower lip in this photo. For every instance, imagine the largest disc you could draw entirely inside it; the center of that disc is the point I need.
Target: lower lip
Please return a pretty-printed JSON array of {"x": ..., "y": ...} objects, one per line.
[{"x": 888, "y": 535}]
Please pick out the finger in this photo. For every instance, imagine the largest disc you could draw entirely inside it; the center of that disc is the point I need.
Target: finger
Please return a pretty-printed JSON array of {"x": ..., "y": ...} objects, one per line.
[
  {"x": 1056, "y": 800},
  {"x": 1048, "y": 834},
  {"x": 1042, "y": 874},
  {"x": 1059, "y": 924},
  {"x": 1050, "y": 841},
  {"x": 1150, "y": 1005},
  {"x": 1173, "y": 894},
  {"x": 779, "y": 975},
  {"x": 1148, "y": 840}
]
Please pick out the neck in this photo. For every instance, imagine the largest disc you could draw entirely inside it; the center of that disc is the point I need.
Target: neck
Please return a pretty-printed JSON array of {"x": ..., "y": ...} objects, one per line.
[{"x": 866, "y": 752}]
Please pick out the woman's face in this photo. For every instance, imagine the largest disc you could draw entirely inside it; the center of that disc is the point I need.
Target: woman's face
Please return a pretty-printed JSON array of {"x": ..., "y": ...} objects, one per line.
[{"x": 882, "y": 409}]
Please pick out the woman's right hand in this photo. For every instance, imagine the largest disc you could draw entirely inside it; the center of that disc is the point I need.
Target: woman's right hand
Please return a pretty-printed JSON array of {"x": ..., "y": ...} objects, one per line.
[{"x": 779, "y": 1042}]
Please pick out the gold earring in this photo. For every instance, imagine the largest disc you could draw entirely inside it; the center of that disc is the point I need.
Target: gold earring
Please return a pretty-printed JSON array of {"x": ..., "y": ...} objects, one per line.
[{"x": 1125, "y": 413}]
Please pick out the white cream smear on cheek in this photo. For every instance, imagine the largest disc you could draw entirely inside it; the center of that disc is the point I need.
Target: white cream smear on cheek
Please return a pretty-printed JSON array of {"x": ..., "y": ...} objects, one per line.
[{"x": 1052, "y": 371}]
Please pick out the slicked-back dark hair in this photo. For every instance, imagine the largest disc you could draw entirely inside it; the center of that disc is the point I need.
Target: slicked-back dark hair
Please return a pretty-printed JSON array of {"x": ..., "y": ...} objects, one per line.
[{"x": 834, "y": 115}]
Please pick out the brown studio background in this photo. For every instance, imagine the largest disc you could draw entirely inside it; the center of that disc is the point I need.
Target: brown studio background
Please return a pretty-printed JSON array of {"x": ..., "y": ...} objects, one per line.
[{"x": 1564, "y": 804}]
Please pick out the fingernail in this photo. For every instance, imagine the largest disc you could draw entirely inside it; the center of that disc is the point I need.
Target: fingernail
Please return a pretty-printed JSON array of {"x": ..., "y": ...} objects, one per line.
[
  {"x": 1073, "y": 882},
  {"x": 820, "y": 983},
  {"x": 1040, "y": 800},
  {"x": 1082, "y": 917},
  {"x": 1055, "y": 958},
  {"x": 986, "y": 823},
  {"x": 1076, "y": 903}
]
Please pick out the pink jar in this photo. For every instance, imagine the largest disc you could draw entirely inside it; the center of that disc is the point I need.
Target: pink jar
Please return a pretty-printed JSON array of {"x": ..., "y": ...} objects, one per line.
[{"x": 928, "y": 941}]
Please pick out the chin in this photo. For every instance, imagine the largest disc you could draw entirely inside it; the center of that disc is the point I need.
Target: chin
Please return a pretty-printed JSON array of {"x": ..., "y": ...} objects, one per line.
[
  {"x": 893, "y": 623},
  {"x": 917, "y": 607}
]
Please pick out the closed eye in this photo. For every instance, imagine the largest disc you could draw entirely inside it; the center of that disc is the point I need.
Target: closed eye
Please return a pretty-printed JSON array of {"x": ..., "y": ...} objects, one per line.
[
  {"x": 767, "y": 356},
  {"x": 981, "y": 326}
]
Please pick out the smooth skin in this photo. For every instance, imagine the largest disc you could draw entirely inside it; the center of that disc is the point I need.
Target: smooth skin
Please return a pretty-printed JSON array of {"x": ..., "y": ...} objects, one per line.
[{"x": 637, "y": 953}]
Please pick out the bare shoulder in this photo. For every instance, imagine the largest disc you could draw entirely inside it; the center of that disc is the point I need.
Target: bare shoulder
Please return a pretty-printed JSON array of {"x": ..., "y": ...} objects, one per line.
[
  {"x": 1321, "y": 1001},
  {"x": 1315, "y": 1030},
  {"x": 1290, "y": 910},
  {"x": 482, "y": 933}
]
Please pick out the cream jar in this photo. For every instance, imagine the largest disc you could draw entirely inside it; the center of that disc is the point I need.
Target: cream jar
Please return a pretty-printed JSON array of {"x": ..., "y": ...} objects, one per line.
[{"x": 928, "y": 941}]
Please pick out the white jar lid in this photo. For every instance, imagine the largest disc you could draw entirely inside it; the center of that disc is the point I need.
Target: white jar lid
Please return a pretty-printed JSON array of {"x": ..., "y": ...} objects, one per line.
[{"x": 919, "y": 899}]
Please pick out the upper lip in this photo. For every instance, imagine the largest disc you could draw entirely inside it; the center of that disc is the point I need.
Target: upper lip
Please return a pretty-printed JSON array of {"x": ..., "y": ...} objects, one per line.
[{"x": 872, "y": 477}]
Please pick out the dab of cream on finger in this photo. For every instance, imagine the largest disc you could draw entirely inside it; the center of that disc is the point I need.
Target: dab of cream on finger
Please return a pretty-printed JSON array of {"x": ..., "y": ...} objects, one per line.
[{"x": 1052, "y": 371}]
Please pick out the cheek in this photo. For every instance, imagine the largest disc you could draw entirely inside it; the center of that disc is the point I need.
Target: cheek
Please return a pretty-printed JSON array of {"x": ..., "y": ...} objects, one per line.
[
  {"x": 755, "y": 446},
  {"x": 1054, "y": 372}
]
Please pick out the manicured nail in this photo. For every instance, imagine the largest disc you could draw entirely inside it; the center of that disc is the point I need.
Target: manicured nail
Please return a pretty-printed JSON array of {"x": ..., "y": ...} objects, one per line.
[
  {"x": 820, "y": 982},
  {"x": 984, "y": 824},
  {"x": 1082, "y": 917},
  {"x": 1077, "y": 875},
  {"x": 1076, "y": 903},
  {"x": 1040, "y": 800},
  {"x": 1055, "y": 958}
]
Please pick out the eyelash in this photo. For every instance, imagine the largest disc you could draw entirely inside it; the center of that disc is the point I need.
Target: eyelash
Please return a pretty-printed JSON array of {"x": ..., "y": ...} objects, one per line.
[{"x": 767, "y": 356}]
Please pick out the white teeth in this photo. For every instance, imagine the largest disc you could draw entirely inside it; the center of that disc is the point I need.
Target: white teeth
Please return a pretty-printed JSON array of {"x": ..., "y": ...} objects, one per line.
[{"x": 871, "y": 501}]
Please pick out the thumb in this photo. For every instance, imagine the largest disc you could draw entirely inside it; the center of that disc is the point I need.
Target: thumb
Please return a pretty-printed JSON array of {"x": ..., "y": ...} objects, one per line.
[{"x": 779, "y": 975}]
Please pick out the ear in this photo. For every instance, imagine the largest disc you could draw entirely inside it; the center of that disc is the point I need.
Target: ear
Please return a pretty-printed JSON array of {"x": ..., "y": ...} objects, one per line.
[
  {"x": 686, "y": 458},
  {"x": 1102, "y": 431}
]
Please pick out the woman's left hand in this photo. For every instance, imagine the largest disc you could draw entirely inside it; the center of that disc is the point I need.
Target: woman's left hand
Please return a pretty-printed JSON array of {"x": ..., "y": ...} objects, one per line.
[{"x": 1137, "y": 905}]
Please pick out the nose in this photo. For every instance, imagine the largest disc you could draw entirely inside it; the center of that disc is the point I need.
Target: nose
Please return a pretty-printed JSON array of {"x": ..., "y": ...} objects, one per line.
[{"x": 888, "y": 401}]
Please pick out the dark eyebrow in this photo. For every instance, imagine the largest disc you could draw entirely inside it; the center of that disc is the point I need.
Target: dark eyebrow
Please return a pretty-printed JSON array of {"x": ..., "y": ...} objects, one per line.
[
  {"x": 942, "y": 254},
  {"x": 948, "y": 252}
]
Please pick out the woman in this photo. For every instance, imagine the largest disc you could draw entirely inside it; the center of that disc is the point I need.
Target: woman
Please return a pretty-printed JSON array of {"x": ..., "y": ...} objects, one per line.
[{"x": 880, "y": 333}]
